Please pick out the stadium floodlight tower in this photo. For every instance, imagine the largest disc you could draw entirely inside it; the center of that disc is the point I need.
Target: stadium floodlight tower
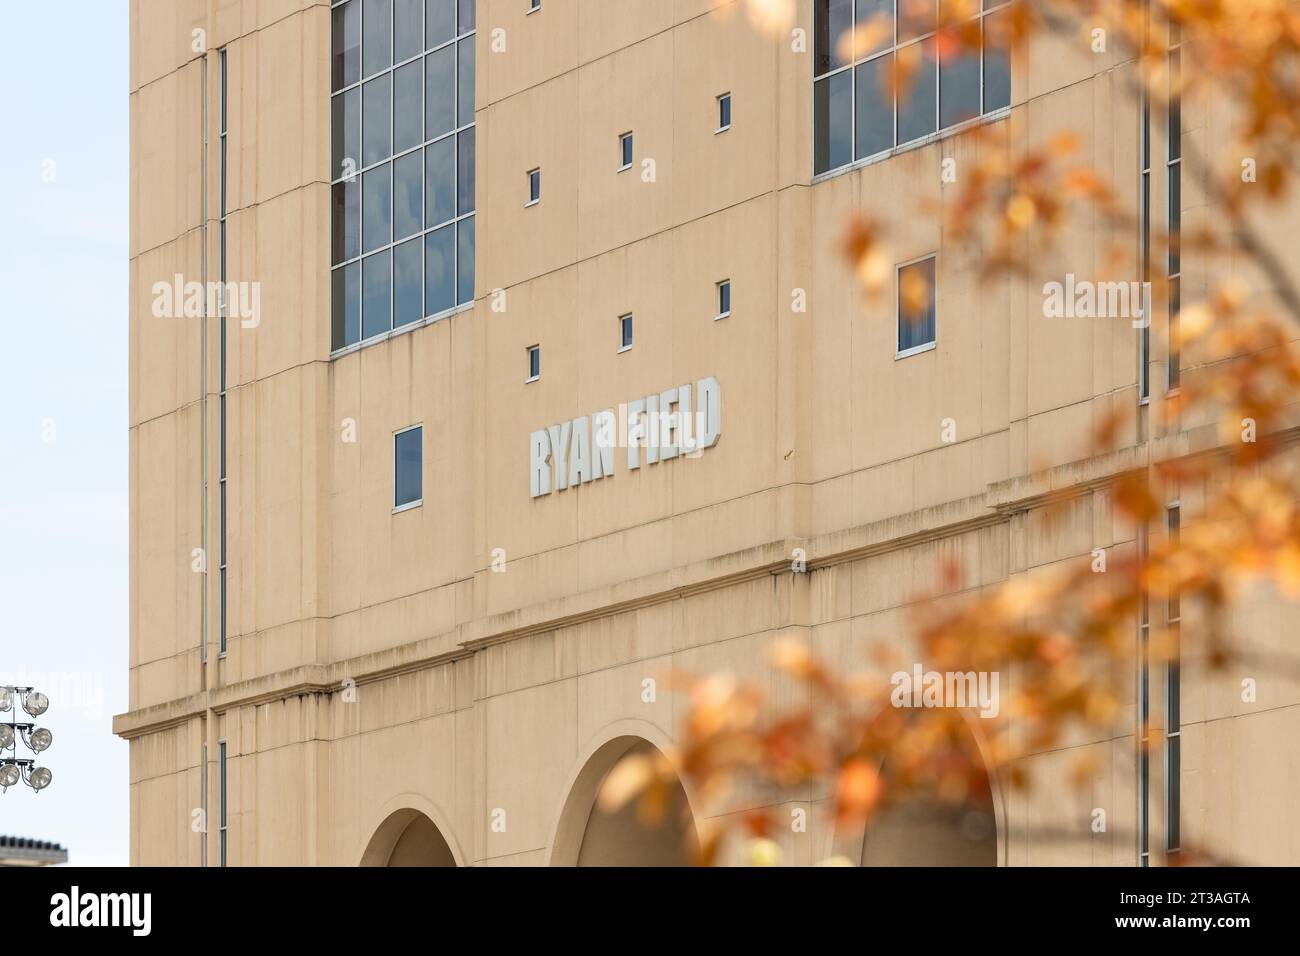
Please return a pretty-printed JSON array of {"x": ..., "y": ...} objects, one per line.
[{"x": 36, "y": 739}]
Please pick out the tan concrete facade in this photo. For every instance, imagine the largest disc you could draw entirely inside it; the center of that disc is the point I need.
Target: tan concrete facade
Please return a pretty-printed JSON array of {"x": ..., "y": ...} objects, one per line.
[{"x": 380, "y": 675}]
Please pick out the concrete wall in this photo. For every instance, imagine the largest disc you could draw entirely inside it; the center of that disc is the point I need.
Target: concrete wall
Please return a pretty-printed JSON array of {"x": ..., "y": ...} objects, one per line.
[{"x": 378, "y": 665}]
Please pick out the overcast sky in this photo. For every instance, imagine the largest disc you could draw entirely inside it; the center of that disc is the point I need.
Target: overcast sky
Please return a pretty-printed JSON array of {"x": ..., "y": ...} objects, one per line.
[{"x": 63, "y": 409}]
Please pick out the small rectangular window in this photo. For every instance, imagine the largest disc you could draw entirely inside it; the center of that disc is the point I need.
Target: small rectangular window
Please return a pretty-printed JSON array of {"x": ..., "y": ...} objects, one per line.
[
  {"x": 724, "y": 299},
  {"x": 916, "y": 306},
  {"x": 408, "y": 468},
  {"x": 534, "y": 5},
  {"x": 534, "y": 186},
  {"x": 625, "y": 151},
  {"x": 625, "y": 332},
  {"x": 534, "y": 363},
  {"x": 724, "y": 112}
]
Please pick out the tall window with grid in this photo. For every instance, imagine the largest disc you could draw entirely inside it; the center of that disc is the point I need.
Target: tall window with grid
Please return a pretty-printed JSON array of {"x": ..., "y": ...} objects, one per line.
[
  {"x": 861, "y": 45},
  {"x": 402, "y": 164}
]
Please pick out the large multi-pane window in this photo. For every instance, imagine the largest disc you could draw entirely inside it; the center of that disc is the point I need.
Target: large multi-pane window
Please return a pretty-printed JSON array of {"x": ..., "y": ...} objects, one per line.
[
  {"x": 402, "y": 203},
  {"x": 860, "y": 46}
]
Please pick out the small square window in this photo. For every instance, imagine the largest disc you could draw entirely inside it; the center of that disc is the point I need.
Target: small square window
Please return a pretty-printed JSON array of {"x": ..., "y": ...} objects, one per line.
[
  {"x": 724, "y": 112},
  {"x": 534, "y": 186},
  {"x": 534, "y": 5},
  {"x": 534, "y": 363},
  {"x": 916, "y": 306},
  {"x": 625, "y": 151},
  {"x": 408, "y": 468},
  {"x": 625, "y": 332},
  {"x": 724, "y": 299}
]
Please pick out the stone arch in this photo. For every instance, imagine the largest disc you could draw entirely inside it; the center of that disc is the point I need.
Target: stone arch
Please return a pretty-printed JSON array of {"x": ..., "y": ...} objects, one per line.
[
  {"x": 586, "y": 835},
  {"x": 411, "y": 832},
  {"x": 925, "y": 831}
]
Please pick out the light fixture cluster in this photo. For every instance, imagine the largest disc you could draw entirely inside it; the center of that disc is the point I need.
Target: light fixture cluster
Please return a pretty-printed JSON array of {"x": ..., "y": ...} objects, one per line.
[{"x": 36, "y": 739}]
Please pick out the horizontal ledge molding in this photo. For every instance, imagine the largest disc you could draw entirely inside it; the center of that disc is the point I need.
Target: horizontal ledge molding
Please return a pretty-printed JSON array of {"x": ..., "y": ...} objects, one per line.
[{"x": 995, "y": 506}]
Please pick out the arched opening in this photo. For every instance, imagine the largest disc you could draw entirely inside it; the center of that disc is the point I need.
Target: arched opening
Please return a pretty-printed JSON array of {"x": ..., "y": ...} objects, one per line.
[
  {"x": 923, "y": 829},
  {"x": 589, "y": 835},
  {"x": 408, "y": 838}
]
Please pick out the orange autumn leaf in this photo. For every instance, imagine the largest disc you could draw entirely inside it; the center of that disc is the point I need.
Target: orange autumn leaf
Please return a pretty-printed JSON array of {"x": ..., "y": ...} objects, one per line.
[{"x": 858, "y": 789}]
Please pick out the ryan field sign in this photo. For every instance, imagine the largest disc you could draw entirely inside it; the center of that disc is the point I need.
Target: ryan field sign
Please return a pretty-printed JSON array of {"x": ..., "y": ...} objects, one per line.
[{"x": 682, "y": 421}]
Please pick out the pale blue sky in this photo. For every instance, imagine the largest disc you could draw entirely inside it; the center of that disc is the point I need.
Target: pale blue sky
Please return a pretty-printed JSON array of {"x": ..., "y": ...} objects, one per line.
[{"x": 63, "y": 391}]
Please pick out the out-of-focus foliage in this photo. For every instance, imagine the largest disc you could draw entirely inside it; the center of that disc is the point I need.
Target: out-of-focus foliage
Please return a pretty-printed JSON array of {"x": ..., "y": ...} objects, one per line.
[{"x": 1069, "y": 635}]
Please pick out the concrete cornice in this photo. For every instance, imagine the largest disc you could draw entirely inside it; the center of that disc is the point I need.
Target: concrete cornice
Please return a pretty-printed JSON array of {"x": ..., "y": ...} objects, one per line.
[
  {"x": 295, "y": 682},
  {"x": 995, "y": 506},
  {"x": 1071, "y": 480},
  {"x": 774, "y": 557}
]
